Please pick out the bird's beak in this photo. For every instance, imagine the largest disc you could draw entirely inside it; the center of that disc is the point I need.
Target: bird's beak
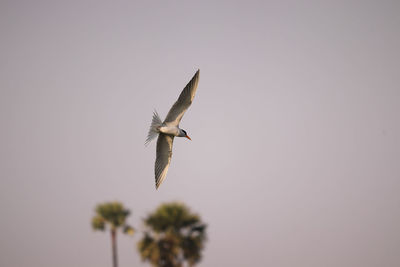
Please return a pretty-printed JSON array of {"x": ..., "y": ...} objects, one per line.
[{"x": 188, "y": 137}]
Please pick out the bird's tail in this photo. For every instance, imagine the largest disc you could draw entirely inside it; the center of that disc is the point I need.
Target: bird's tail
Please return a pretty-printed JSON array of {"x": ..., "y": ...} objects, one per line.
[{"x": 153, "y": 131}]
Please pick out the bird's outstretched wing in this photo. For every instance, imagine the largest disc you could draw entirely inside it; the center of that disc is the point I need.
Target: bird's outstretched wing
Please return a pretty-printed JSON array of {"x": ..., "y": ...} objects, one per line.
[
  {"x": 184, "y": 101},
  {"x": 163, "y": 159}
]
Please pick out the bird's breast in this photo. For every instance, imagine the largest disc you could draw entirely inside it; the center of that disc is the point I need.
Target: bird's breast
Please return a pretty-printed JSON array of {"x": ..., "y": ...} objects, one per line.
[{"x": 172, "y": 130}]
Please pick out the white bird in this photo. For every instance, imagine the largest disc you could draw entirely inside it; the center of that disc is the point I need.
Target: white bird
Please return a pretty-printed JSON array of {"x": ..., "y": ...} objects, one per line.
[{"x": 169, "y": 129}]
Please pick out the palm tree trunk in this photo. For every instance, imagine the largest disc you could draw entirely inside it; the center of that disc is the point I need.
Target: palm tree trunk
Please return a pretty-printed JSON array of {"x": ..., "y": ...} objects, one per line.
[{"x": 114, "y": 247}]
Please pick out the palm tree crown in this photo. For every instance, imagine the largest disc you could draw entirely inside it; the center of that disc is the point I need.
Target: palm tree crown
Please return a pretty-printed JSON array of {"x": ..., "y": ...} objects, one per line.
[
  {"x": 174, "y": 235},
  {"x": 112, "y": 213}
]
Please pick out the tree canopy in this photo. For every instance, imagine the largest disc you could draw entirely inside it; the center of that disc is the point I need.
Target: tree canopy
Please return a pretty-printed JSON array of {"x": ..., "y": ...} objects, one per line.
[
  {"x": 174, "y": 235},
  {"x": 112, "y": 214}
]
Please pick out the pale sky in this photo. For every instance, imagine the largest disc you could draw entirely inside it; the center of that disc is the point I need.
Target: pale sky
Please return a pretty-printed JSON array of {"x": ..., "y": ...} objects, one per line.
[{"x": 295, "y": 127}]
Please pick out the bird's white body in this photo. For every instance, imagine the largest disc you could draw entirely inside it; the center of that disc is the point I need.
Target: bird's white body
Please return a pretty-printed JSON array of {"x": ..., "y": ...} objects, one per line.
[{"x": 171, "y": 130}]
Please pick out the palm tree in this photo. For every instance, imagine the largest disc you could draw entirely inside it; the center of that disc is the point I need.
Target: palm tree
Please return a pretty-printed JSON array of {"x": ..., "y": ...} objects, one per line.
[
  {"x": 113, "y": 216},
  {"x": 173, "y": 235}
]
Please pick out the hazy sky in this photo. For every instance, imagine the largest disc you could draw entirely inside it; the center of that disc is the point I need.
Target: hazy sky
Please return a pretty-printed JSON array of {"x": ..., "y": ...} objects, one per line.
[{"x": 295, "y": 127}]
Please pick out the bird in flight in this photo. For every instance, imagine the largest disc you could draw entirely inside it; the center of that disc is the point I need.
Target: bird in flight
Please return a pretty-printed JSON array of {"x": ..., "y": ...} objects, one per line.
[{"x": 169, "y": 128}]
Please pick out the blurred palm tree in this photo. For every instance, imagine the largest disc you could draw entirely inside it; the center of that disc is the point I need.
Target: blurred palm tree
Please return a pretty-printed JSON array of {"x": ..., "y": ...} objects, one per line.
[
  {"x": 112, "y": 215},
  {"x": 174, "y": 235}
]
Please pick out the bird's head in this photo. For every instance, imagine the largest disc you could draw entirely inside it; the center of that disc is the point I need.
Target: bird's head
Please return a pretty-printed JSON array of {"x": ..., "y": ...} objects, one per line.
[{"x": 184, "y": 134}]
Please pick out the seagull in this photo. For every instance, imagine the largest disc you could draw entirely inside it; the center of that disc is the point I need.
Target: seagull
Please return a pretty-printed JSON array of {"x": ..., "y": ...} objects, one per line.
[{"x": 169, "y": 128}]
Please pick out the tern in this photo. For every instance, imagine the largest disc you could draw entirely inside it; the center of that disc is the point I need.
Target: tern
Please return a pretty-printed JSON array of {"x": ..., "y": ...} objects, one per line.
[{"x": 169, "y": 129}]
